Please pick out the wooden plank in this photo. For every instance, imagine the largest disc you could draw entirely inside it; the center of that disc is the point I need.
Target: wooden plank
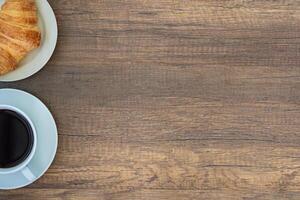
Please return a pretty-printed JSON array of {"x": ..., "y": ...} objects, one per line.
[
  {"x": 145, "y": 194},
  {"x": 168, "y": 99}
]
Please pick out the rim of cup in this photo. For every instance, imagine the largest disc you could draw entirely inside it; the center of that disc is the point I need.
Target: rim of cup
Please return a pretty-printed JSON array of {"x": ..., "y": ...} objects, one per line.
[{"x": 30, "y": 156}]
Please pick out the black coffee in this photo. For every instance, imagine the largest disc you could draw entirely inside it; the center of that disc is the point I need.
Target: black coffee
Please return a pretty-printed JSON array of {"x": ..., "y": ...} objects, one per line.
[{"x": 16, "y": 139}]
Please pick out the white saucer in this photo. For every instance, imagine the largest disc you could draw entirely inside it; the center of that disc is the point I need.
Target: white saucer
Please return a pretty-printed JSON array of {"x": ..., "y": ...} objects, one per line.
[
  {"x": 38, "y": 58},
  {"x": 46, "y": 136}
]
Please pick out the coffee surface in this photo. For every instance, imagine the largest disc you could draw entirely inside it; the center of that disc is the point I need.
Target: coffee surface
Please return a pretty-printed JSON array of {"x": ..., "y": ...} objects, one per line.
[{"x": 16, "y": 139}]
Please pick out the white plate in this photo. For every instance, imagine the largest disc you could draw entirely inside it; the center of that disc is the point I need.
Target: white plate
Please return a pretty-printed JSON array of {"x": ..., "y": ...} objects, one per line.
[
  {"x": 38, "y": 58},
  {"x": 46, "y": 136}
]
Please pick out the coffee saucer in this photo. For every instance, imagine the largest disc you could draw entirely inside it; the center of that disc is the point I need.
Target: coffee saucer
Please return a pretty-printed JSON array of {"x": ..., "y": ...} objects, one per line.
[{"x": 46, "y": 131}]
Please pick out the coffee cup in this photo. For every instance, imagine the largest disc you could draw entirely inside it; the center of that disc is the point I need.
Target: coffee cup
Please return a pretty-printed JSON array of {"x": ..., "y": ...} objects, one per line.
[{"x": 18, "y": 141}]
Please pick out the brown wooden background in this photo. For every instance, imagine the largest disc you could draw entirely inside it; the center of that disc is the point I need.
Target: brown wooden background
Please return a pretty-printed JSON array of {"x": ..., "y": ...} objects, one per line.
[{"x": 172, "y": 99}]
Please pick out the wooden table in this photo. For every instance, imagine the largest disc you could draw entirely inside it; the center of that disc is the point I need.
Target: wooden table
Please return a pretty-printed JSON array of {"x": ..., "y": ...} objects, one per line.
[{"x": 170, "y": 99}]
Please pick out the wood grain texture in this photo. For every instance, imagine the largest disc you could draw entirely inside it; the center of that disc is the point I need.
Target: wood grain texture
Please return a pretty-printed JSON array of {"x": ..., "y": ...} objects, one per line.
[{"x": 172, "y": 100}]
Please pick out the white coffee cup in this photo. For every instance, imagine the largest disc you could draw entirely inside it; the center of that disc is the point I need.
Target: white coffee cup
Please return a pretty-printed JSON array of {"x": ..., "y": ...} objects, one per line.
[{"x": 22, "y": 167}]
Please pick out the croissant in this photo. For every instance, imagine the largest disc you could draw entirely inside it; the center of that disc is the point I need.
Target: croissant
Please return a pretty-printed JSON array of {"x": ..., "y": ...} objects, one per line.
[{"x": 19, "y": 32}]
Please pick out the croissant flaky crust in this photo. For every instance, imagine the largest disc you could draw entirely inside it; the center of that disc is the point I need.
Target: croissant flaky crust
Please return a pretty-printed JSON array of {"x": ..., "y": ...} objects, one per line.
[{"x": 19, "y": 32}]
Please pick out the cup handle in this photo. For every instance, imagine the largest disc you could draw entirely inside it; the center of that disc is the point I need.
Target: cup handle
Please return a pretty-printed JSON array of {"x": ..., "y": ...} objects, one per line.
[{"x": 28, "y": 174}]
